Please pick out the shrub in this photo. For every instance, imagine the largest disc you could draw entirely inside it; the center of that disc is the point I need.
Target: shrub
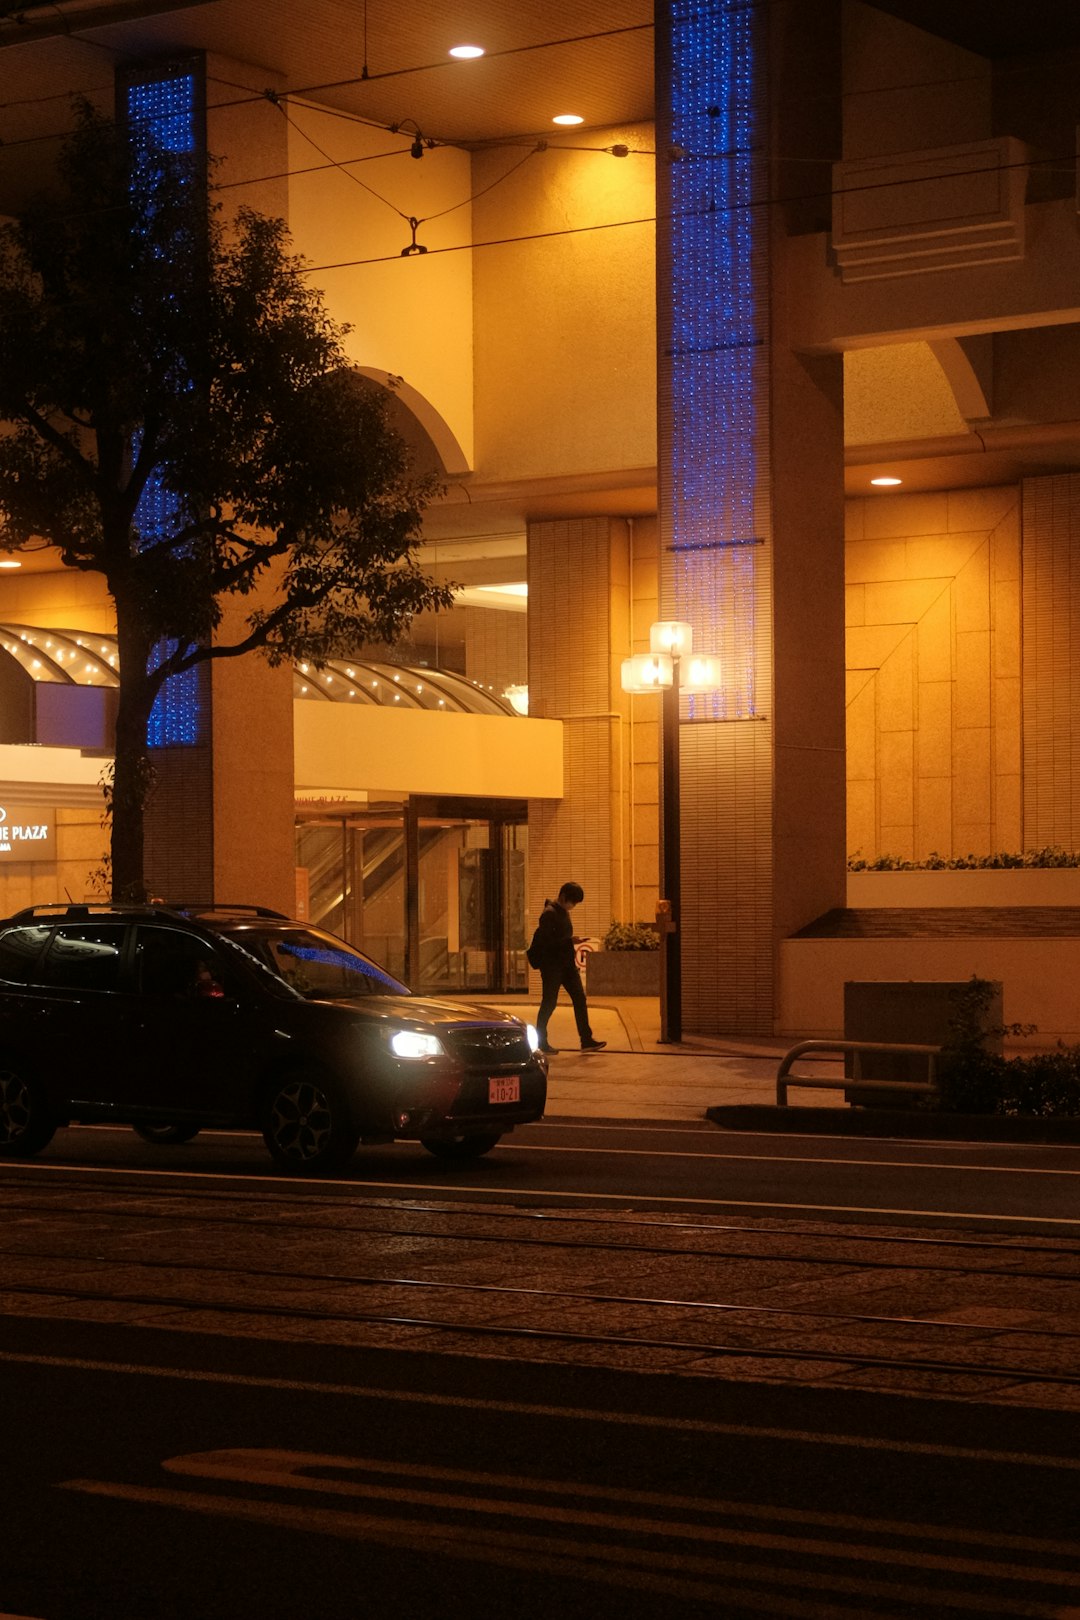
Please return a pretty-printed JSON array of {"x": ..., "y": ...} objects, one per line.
[
  {"x": 1049, "y": 856},
  {"x": 975, "y": 1081},
  {"x": 970, "y": 1079},
  {"x": 1043, "y": 1085},
  {"x": 640, "y": 936}
]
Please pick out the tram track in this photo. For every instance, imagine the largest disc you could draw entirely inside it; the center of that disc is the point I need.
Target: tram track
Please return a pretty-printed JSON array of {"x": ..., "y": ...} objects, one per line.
[
  {"x": 565, "y": 1336},
  {"x": 477, "y": 1280},
  {"x": 989, "y": 1252}
]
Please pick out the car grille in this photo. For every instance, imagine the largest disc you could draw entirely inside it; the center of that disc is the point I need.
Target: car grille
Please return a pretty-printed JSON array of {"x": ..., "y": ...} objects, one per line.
[{"x": 490, "y": 1046}]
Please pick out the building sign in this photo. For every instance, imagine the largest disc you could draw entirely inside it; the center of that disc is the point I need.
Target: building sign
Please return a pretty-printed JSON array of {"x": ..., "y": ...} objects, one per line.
[{"x": 27, "y": 834}]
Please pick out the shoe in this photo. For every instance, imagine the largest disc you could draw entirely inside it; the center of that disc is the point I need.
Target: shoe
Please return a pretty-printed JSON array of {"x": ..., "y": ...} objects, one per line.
[
  {"x": 549, "y": 1051},
  {"x": 593, "y": 1046}
]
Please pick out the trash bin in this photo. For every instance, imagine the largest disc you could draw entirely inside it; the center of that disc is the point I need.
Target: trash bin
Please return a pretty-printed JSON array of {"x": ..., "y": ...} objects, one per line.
[{"x": 904, "y": 1011}]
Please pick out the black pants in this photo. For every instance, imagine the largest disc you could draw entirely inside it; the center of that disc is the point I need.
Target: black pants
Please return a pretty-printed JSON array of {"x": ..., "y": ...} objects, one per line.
[{"x": 553, "y": 980}]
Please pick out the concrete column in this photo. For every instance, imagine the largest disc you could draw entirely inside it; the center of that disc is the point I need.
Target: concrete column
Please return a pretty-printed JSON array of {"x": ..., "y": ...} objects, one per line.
[
  {"x": 578, "y": 630},
  {"x": 751, "y": 488},
  {"x": 220, "y": 824}
]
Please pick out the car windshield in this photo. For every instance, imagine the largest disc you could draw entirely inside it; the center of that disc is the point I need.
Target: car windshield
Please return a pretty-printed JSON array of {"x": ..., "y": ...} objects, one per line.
[{"x": 317, "y": 966}]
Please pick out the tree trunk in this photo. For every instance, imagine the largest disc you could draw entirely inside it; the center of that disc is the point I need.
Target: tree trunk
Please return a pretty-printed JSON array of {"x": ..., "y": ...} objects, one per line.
[{"x": 132, "y": 776}]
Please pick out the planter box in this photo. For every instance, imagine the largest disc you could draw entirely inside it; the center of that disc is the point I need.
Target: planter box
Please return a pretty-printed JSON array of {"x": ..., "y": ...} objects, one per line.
[
  {"x": 622, "y": 973},
  {"x": 1016, "y": 886}
]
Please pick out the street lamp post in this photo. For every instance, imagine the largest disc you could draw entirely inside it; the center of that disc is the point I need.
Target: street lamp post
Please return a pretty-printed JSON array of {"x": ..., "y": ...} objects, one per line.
[
  {"x": 671, "y": 862},
  {"x": 662, "y": 669}
]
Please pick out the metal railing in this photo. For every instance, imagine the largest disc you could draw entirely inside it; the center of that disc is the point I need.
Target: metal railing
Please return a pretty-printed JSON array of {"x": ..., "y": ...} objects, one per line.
[{"x": 784, "y": 1077}]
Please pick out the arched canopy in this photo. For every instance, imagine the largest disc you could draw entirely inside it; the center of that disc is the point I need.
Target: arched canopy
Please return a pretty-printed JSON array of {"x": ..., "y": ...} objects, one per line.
[{"x": 90, "y": 658}]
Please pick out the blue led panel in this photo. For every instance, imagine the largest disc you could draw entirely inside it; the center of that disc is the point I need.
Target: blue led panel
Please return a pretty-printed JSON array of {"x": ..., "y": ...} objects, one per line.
[
  {"x": 162, "y": 116},
  {"x": 713, "y": 422}
]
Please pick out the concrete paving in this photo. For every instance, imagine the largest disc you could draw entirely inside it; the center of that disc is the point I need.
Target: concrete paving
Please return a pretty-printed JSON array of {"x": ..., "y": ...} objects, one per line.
[{"x": 638, "y": 1078}]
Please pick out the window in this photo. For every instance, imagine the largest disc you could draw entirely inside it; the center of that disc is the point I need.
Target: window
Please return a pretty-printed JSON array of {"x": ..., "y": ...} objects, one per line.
[
  {"x": 171, "y": 963},
  {"x": 19, "y": 950},
  {"x": 83, "y": 956},
  {"x": 318, "y": 966}
]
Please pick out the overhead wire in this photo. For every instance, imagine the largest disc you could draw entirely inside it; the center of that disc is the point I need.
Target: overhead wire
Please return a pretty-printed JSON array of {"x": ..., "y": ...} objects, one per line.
[{"x": 535, "y": 145}]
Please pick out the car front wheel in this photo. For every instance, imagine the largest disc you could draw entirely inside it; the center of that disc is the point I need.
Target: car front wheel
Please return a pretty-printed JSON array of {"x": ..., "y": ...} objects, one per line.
[
  {"x": 307, "y": 1125},
  {"x": 166, "y": 1133},
  {"x": 26, "y": 1125},
  {"x": 460, "y": 1147}
]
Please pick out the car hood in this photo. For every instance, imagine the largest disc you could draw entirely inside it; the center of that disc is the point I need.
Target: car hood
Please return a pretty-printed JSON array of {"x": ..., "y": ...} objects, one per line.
[{"x": 425, "y": 1010}]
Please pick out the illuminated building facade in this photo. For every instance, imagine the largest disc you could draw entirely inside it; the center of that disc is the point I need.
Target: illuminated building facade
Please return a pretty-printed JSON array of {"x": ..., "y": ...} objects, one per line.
[{"x": 657, "y": 359}]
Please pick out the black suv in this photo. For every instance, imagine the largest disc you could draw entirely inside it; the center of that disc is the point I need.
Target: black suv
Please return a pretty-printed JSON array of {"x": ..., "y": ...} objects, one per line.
[{"x": 173, "y": 1018}]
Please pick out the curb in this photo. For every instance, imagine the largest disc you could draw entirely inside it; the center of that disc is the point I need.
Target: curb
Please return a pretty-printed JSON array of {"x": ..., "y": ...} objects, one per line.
[{"x": 899, "y": 1122}]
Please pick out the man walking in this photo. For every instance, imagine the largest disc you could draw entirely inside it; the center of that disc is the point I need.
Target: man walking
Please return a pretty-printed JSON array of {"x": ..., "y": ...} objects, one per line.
[{"x": 554, "y": 952}]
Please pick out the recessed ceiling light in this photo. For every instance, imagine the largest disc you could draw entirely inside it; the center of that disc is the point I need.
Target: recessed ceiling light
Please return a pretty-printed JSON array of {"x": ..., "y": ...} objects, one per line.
[
  {"x": 466, "y": 53},
  {"x": 9, "y": 562},
  {"x": 568, "y": 118},
  {"x": 888, "y": 481}
]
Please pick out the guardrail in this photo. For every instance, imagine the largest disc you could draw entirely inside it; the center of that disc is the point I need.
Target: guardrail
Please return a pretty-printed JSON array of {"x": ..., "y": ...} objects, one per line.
[{"x": 784, "y": 1077}]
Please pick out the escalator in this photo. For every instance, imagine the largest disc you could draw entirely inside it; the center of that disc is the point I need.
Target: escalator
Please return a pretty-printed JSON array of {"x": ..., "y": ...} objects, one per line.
[{"x": 455, "y": 924}]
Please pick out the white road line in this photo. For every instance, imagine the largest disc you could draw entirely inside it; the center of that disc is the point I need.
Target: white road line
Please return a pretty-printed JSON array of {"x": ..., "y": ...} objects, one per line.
[
  {"x": 640, "y": 1420},
  {"x": 406, "y": 1189},
  {"x": 752, "y": 1159},
  {"x": 790, "y": 1158}
]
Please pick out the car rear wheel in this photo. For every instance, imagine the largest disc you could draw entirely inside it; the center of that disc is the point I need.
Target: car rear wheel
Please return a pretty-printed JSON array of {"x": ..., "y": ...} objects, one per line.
[
  {"x": 307, "y": 1125},
  {"x": 461, "y": 1147},
  {"x": 26, "y": 1125},
  {"x": 166, "y": 1133}
]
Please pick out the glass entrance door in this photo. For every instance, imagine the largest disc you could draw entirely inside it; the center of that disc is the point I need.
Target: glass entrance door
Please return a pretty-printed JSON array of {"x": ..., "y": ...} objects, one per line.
[
  {"x": 351, "y": 875},
  {"x": 436, "y": 896},
  {"x": 471, "y": 904}
]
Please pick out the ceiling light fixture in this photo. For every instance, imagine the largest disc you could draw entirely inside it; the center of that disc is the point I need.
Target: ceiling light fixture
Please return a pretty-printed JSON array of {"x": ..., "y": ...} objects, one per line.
[
  {"x": 9, "y": 562},
  {"x": 886, "y": 481},
  {"x": 568, "y": 118},
  {"x": 466, "y": 53}
]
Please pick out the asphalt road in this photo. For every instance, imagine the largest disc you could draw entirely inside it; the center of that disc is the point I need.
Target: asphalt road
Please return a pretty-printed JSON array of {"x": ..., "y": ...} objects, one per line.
[
  {"x": 170, "y": 1476},
  {"x": 613, "y": 1370},
  {"x": 615, "y": 1164}
]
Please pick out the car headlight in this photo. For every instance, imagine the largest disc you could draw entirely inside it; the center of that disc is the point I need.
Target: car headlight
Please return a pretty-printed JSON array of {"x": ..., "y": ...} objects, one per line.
[
  {"x": 532, "y": 1037},
  {"x": 410, "y": 1043}
]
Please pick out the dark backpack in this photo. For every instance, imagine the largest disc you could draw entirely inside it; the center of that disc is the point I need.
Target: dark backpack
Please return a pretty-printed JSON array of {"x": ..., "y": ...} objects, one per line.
[{"x": 535, "y": 953}]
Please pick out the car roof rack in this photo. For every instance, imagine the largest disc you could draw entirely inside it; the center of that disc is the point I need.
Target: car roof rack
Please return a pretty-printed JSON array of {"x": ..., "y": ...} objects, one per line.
[
  {"x": 209, "y": 906},
  {"x": 74, "y": 910}
]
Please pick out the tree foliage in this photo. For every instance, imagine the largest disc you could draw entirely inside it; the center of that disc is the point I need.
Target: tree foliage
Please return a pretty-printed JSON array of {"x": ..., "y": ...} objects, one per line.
[{"x": 178, "y": 414}]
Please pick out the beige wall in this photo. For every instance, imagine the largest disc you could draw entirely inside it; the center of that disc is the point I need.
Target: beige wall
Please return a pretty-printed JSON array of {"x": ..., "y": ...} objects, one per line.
[
  {"x": 907, "y": 89},
  {"x": 410, "y": 317},
  {"x": 65, "y": 600},
  {"x": 564, "y": 310},
  {"x": 637, "y": 822},
  {"x": 496, "y": 647},
  {"x": 1038, "y": 978},
  {"x": 898, "y": 391},
  {"x": 344, "y": 751},
  {"x": 933, "y": 673},
  {"x": 577, "y": 573},
  {"x": 81, "y": 843}
]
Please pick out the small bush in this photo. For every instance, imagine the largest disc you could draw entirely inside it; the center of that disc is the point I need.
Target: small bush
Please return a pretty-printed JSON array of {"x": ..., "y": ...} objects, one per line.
[
  {"x": 974, "y": 1081},
  {"x": 1043, "y": 1086},
  {"x": 640, "y": 936},
  {"x": 1029, "y": 859}
]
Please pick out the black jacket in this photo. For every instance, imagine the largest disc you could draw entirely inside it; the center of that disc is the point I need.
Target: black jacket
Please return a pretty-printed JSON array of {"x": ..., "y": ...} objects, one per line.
[{"x": 555, "y": 937}]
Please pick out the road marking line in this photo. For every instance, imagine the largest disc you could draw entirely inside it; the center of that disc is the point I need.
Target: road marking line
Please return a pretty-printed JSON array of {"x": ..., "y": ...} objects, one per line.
[
  {"x": 406, "y": 1189},
  {"x": 673, "y": 1153},
  {"x": 613, "y": 1564},
  {"x": 786, "y": 1158},
  {"x": 641, "y": 1420},
  {"x": 287, "y": 1470}
]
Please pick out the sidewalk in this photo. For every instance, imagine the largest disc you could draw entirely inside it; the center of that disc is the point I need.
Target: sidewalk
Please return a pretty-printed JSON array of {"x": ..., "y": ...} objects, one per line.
[
  {"x": 732, "y": 1082},
  {"x": 637, "y": 1078}
]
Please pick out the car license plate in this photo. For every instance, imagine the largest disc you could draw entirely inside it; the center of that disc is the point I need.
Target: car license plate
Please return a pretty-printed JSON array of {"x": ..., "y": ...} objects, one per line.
[{"x": 504, "y": 1088}]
